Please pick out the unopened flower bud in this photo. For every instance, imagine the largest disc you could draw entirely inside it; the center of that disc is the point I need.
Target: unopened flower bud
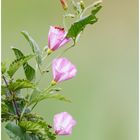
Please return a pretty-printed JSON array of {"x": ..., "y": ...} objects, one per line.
[
  {"x": 64, "y": 4},
  {"x": 56, "y": 38},
  {"x": 82, "y": 5}
]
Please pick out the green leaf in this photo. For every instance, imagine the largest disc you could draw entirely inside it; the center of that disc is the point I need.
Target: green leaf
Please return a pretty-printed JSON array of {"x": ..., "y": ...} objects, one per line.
[
  {"x": 43, "y": 96},
  {"x": 20, "y": 84},
  {"x": 35, "y": 127},
  {"x": 77, "y": 27},
  {"x": 34, "y": 46},
  {"x": 15, "y": 132},
  {"x": 29, "y": 71},
  {"x": 4, "y": 90},
  {"x": 4, "y": 107},
  {"x": 57, "y": 96},
  {"x": 39, "y": 128},
  {"x": 17, "y": 64},
  {"x": 3, "y": 68}
]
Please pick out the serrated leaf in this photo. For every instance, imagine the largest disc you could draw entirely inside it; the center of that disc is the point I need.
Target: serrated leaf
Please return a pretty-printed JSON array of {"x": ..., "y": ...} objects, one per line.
[
  {"x": 77, "y": 27},
  {"x": 3, "y": 68},
  {"x": 20, "y": 84},
  {"x": 35, "y": 127},
  {"x": 34, "y": 46},
  {"x": 29, "y": 71},
  {"x": 17, "y": 64},
  {"x": 39, "y": 127}
]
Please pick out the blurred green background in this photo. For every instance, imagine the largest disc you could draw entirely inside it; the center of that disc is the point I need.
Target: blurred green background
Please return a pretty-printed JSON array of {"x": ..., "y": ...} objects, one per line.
[{"x": 104, "y": 93}]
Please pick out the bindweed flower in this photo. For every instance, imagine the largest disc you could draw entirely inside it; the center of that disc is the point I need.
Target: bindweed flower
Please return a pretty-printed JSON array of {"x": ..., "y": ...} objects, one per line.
[
  {"x": 64, "y": 4},
  {"x": 56, "y": 38},
  {"x": 63, "y": 123},
  {"x": 63, "y": 70}
]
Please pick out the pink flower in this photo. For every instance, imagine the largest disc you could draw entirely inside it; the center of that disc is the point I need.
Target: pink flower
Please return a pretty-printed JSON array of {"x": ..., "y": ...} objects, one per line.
[
  {"x": 63, "y": 123},
  {"x": 63, "y": 70},
  {"x": 56, "y": 38}
]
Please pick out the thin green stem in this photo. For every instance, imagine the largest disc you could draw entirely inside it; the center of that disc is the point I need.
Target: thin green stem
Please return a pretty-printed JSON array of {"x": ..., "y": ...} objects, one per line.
[
  {"x": 45, "y": 57},
  {"x": 64, "y": 22},
  {"x": 26, "y": 105},
  {"x": 49, "y": 87}
]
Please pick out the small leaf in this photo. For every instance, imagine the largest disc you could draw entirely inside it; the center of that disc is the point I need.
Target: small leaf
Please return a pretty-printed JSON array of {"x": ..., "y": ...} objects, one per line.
[
  {"x": 20, "y": 84},
  {"x": 4, "y": 90},
  {"x": 4, "y": 108},
  {"x": 3, "y": 67},
  {"x": 57, "y": 97},
  {"x": 77, "y": 27},
  {"x": 43, "y": 96},
  {"x": 34, "y": 46},
  {"x": 17, "y": 64},
  {"x": 29, "y": 71}
]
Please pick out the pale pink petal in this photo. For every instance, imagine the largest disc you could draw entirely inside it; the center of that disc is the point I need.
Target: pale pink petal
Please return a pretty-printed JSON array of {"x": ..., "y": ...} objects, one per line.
[
  {"x": 63, "y": 123},
  {"x": 63, "y": 69},
  {"x": 56, "y": 38}
]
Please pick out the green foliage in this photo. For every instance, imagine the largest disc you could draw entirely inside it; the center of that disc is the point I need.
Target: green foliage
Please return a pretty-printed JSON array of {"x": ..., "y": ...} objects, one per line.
[
  {"x": 39, "y": 128},
  {"x": 20, "y": 84},
  {"x": 15, "y": 132},
  {"x": 17, "y": 64},
  {"x": 78, "y": 26},
  {"x": 35, "y": 48},
  {"x": 3, "y": 68},
  {"x": 42, "y": 96},
  {"x": 29, "y": 70},
  {"x": 16, "y": 108},
  {"x": 4, "y": 90}
]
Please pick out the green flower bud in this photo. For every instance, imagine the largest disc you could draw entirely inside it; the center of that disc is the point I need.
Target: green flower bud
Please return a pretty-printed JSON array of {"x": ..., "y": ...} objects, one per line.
[{"x": 82, "y": 5}]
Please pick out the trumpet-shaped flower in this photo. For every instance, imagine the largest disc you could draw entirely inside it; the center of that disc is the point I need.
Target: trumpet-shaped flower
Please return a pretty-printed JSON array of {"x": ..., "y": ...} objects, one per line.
[
  {"x": 63, "y": 123},
  {"x": 56, "y": 38},
  {"x": 63, "y": 70}
]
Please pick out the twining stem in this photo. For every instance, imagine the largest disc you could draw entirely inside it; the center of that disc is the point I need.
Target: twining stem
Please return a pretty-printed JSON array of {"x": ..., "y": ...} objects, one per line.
[{"x": 13, "y": 100}]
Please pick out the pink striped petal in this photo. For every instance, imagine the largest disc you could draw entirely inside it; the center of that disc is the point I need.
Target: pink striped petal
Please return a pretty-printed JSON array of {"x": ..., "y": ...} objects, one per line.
[
  {"x": 63, "y": 70},
  {"x": 57, "y": 38}
]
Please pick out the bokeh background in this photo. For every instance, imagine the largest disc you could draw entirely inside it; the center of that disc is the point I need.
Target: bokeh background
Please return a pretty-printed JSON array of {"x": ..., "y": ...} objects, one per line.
[{"x": 104, "y": 93}]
